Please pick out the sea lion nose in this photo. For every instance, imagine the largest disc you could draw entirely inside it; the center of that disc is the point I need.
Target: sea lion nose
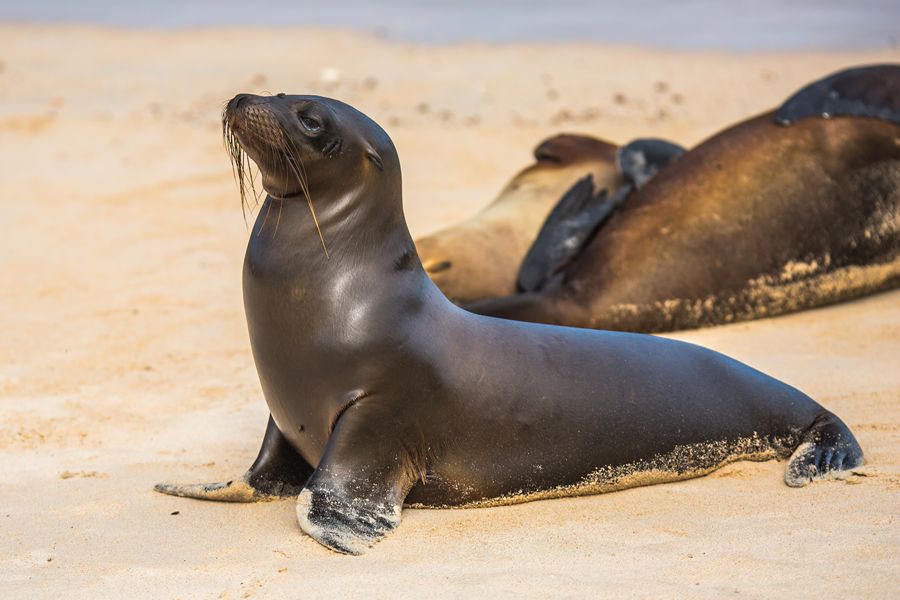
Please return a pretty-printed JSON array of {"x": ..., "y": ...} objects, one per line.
[{"x": 239, "y": 100}]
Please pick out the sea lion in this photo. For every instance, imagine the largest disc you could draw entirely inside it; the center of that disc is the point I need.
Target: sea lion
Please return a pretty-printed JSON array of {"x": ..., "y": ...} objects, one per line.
[
  {"x": 383, "y": 392},
  {"x": 480, "y": 257},
  {"x": 793, "y": 209}
]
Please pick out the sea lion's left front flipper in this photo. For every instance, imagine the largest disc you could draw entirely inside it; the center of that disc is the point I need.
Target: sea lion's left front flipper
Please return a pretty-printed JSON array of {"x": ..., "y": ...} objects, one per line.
[
  {"x": 870, "y": 91},
  {"x": 581, "y": 211},
  {"x": 355, "y": 495}
]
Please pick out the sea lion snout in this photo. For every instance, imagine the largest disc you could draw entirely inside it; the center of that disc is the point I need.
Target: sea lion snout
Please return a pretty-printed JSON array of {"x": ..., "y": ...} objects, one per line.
[
  {"x": 236, "y": 102},
  {"x": 260, "y": 127},
  {"x": 238, "y": 108},
  {"x": 252, "y": 116}
]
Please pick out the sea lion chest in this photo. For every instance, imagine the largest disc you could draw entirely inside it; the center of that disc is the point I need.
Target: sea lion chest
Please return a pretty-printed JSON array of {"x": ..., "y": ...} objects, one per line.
[{"x": 315, "y": 338}]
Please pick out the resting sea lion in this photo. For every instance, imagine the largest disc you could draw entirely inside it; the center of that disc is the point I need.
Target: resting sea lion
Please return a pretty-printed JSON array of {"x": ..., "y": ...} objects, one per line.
[
  {"x": 383, "y": 392},
  {"x": 479, "y": 258},
  {"x": 793, "y": 209}
]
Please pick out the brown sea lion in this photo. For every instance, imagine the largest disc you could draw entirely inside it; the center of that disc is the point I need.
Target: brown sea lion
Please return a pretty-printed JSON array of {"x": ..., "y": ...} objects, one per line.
[
  {"x": 383, "y": 393},
  {"x": 793, "y": 209}
]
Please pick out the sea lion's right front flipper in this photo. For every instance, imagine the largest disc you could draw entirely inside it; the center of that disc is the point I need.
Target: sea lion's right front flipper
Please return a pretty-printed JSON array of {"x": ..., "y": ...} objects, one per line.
[
  {"x": 355, "y": 496},
  {"x": 277, "y": 472},
  {"x": 871, "y": 91},
  {"x": 571, "y": 223}
]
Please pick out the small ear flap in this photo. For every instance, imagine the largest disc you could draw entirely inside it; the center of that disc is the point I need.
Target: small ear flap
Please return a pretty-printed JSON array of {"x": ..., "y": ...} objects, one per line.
[{"x": 373, "y": 156}]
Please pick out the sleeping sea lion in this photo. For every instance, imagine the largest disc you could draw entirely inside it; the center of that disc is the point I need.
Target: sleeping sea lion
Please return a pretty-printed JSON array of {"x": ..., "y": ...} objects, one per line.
[{"x": 793, "y": 209}]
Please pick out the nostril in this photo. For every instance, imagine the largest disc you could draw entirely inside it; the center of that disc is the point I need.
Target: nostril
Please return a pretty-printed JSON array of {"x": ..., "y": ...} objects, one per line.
[
  {"x": 437, "y": 267},
  {"x": 239, "y": 100}
]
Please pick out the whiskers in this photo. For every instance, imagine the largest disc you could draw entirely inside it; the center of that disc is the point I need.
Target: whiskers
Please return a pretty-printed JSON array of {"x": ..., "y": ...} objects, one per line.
[
  {"x": 241, "y": 167},
  {"x": 292, "y": 157},
  {"x": 284, "y": 153}
]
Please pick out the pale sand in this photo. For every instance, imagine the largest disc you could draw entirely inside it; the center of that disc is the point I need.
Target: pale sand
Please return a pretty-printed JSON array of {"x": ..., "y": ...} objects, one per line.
[{"x": 124, "y": 357}]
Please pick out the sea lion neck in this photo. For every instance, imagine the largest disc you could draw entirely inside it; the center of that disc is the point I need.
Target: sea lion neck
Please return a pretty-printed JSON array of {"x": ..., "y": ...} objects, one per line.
[
  {"x": 357, "y": 232},
  {"x": 371, "y": 271}
]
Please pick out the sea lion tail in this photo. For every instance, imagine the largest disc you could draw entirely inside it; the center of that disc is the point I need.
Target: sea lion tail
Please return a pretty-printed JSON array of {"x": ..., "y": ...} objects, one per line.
[{"x": 827, "y": 450}]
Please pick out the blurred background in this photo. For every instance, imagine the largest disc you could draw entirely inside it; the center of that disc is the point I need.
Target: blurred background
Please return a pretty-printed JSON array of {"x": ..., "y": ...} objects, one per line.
[{"x": 740, "y": 25}]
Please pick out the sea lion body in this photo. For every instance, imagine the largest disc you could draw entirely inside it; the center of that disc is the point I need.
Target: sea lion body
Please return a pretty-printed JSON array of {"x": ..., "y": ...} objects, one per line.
[
  {"x": 383, "y": 393},
  {"x": 498, "y": 408},
  {"x": 760, "y": 220}
]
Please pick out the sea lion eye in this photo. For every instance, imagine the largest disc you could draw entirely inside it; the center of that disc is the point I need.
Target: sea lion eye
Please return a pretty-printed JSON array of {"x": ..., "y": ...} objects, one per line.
[{"x": 310, "y": 124}]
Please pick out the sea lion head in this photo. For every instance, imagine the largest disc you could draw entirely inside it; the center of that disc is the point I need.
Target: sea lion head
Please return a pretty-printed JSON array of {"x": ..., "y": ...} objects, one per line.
[{"x": 307, "y": 146}]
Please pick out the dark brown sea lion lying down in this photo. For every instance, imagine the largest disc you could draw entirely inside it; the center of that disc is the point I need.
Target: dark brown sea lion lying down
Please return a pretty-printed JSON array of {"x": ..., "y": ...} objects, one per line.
[
  {"x": 383, "y": 393},
  {"x": 793, "y": 209}
]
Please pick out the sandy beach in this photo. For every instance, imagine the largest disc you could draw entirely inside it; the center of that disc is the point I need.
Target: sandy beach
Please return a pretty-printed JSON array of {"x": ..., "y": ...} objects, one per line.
[{"x": 124, "y": 357}]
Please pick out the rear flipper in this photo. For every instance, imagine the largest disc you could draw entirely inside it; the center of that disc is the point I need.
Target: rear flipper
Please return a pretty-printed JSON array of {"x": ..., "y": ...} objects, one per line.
[
  {"x": 826, "y": 451},
  {"x": 871, "y": 91},
  {"x": 278, "y": 472}
]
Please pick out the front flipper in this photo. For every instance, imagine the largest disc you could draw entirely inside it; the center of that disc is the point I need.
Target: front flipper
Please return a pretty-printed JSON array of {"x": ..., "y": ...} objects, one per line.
[
  {"x": 872, "y": 91},
  {"x": 641, "y": 159},
  {"x": 582, "y": 211},
  {"x": 277, "y": 472},
  {"x": 345, "y": 524},
  {"x": 569, "y": 226},
  {"x": 355, "y": 496}
]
